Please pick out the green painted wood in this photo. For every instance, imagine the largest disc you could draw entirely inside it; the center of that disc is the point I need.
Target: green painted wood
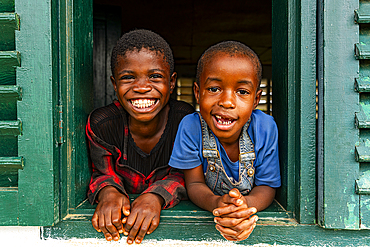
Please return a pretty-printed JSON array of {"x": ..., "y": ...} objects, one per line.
[
  {"x": 293, "y": 74},
  {"x": 186, "y": 212},
  {"x": 9, "y": 204},
  {"x": 362, "y": 85},
  {"x": 11, "y": 162},
  {"x": 38, "y": 182},
  {"x": 300, "y": 235},
  {"x": 9, "y": 22},
  {"x": 10, "y": 58},
  {"x": 363, "y": 185},
  {"x": 365, "y": 211},
  {"x": 362, "y": 17},
  {"x": 76, "y": 90},
  {"x": 7, "y": 6},
  {"x": 362, "y": 118},
  {"x": 8, "y": 61},
  {"x": 13, "y": 128},
  {"x": 362, "y": 154},
  {"x": 8, "y": 146},
  {"x": 362, "y": 51},
  {"x": 8, "y": 178},
  {"x": 10, "y": 92},
  {"x": 8, "y": 109},
  {"x": 338, "y": 204}
]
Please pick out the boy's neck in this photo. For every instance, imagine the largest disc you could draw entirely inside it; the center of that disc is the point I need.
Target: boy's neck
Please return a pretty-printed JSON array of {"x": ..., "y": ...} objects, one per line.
[
  {"x": 232, "y": 150},
  {"x": 147, "y": 134}
]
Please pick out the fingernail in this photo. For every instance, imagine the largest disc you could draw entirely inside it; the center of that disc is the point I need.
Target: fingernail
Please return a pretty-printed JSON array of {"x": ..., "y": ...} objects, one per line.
[
  {"x": 255, "y": 219},
  {"x": 137, "y": 241},
  {"x": 120, "y": 231},
  {"x": 129, "y": 241},
  {"x": 115, "y": 238},
  {"x": 216, "y": 213},
  {"x": 215, "y": 220},
  {"x": 254, "y": 210},
  {"x": 148, "y": 232},
  {"x": 109, "y": 238},
  {"x": 239, "y": 202},
  {"x": 125, "y": 233},
  {"x": 99, "y": 230}
]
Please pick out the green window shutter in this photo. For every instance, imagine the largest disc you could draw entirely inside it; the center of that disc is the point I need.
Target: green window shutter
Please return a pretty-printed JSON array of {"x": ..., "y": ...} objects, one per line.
[
  {"x": 29, "y": 192},
  {"x": 362, "y": 118},
  {"x": 344, "y": 119}
]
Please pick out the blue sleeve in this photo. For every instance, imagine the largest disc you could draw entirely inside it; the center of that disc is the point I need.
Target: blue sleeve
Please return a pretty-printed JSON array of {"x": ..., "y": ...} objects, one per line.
[
  {"x": 188, "y": 143},
  {"x": 264, "y": 134}
]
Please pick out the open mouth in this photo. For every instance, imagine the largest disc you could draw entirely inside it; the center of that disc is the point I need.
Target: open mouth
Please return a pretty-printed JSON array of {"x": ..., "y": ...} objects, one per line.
[
  {"x": 143, "y": 103},
  {"x": 223, "y": 120}
]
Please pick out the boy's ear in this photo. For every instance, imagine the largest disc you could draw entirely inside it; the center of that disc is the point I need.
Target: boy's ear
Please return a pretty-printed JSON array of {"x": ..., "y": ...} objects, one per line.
[
  {"x": 113, "y": 82},
  {"x": 173, "y": 81},
  {"x": 257, "y": 99},
  {"x": 196, "y": 91}
]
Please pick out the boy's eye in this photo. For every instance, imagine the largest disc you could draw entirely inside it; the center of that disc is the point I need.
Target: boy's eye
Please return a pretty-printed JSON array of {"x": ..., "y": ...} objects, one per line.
[
  {"x": 127, "y": 77},
  {"x": 213, "y": 89},
  {"x": 156, "y": 76},
  {"x": 243, "y": 92}
]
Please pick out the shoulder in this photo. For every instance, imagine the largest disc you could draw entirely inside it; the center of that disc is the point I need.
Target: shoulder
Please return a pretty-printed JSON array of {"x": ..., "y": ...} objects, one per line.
[
  {"x": 261, "y": 118},
  {"x": 104, "y": 116},
  {"x": 190, "y": 127},
  {"x": 191, "y": 120},
  {"x": 262, "y": 122}
]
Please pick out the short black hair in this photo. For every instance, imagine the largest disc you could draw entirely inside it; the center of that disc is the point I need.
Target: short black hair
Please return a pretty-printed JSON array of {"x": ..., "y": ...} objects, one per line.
[
  {"x": 138, "y": 39},
  {"x": 231, "y": 48}
]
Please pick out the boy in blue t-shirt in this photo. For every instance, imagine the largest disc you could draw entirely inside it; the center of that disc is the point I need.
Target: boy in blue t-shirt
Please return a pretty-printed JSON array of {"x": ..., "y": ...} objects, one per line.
[{"x": 229, "y": 152}]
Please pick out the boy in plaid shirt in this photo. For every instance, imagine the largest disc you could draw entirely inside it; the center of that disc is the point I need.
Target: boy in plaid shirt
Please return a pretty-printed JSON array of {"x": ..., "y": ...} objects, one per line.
[{"x": 131, "y": 140}]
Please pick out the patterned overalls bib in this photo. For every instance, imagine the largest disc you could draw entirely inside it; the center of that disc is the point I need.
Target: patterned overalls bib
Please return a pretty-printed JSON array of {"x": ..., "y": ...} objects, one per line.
[{"x": 215, "y": 176}]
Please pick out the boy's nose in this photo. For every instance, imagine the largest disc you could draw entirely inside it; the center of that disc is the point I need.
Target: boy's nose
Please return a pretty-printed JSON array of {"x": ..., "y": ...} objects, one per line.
[
  {"x": 227, "y": 100},
  {"x": 142, "y": 85}
]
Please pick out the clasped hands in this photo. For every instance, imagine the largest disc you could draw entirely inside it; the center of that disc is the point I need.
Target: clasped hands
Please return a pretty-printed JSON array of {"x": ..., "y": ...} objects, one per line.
[{"x": 234, "y": 220}]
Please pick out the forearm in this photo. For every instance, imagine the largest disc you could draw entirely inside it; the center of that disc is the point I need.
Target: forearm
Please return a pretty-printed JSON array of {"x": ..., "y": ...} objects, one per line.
[
  {"x": 171, "y": 188},
  {"x": 260, "y": 197},
  {"x": 202, "y": 196}
]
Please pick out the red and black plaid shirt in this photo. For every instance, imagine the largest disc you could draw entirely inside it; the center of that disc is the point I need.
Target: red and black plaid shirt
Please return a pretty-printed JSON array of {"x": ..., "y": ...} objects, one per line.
[{"x": 117, "y": 161}]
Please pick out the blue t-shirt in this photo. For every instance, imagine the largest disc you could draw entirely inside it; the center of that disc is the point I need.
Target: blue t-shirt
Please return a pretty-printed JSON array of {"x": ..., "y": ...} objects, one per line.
[{"x": 187, "y": 150}]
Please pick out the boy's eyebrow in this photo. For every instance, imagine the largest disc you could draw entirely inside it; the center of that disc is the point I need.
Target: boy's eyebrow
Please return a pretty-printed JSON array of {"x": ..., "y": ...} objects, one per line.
[
  {"x": 125, "y": 71},
  {"x": 209, "y": 79},
  {"x": 246, "y": 82},
  {"x": 154, "y": 70},
  {"x": 132, "y": 72}
]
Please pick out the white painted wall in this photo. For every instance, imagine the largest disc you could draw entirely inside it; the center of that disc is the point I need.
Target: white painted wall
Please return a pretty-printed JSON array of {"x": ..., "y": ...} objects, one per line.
[{"x": 24, "y": 236}]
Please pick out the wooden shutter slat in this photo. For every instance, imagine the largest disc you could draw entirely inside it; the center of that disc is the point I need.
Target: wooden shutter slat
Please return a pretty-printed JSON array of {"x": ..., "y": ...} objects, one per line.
[
  {"x": 10, "y": 128},
  {"x": 11, "y": 162},
  {"x": 10, "y": 58},
  {"x": 9, "y": 92},
  {"x": 9, "y": 22}
]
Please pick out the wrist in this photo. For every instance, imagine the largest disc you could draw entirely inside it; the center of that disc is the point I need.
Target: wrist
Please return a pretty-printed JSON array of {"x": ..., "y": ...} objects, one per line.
[
  {"x": 159, "y": 198},
  {"x": 106, "y": 191}
]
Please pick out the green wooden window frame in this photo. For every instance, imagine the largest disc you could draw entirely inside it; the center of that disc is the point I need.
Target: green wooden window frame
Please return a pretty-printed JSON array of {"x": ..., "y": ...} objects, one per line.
[
  {"x": 53, "y": 115},
  {"x": 298, "y": 202}
]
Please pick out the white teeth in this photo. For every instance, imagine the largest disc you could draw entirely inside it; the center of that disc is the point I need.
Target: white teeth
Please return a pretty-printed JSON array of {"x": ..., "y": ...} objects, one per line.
[
  {"x": 142, "y": 103},
  {"x": 222, "y": 122}
]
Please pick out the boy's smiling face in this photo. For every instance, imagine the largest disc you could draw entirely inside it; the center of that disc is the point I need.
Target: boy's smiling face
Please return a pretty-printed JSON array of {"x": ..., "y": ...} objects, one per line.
[
  {"x": 227, "y": 95},
  {"x": 143, "y": 83}
]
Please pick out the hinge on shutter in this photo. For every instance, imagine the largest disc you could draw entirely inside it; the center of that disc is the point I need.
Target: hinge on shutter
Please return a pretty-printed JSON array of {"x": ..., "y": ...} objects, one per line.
[{"x": 60, "y": 125}]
